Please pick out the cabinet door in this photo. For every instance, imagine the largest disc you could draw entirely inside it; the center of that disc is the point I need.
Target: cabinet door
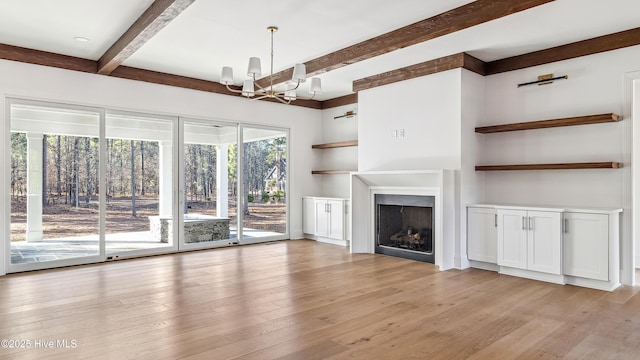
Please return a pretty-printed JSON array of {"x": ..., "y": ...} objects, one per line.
[
  {"x": 544, "y": 240},
  {"x": 512, "y": 238},
  {"x": 321, "y": 218},
  {"x": 482, "y": 234},
  {"x": 308, "y": 216},
  {"x": 336, "y": 219},
  {"x": 586, "y": 245}
]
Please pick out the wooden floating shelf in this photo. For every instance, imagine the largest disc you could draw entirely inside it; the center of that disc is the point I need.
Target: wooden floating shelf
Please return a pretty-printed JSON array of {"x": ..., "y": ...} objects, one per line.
[
  {"x": 338, "y": 144},
  {"x": 543, "y": 124},
  {"x": 330, "y": 172},
  {"x": 565, "y": 166}
]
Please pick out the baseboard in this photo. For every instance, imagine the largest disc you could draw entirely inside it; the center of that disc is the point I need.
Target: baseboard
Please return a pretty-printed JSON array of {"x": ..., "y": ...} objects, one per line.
[
  {"x": 484, "y": 265},
  {"x": 593, "y": 284},
  {"x": 533, "y": 275},
  {"x": 344, "y": 243},
  {"x": 461, "y": 262}
]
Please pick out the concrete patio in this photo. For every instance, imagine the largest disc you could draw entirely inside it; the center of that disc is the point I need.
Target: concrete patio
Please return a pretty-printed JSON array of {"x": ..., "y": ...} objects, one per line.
[{"x": 23, "y": 252}]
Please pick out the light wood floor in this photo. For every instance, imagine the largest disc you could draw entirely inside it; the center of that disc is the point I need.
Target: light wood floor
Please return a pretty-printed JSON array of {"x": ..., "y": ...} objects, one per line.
[{"x": 303, "y": 300}]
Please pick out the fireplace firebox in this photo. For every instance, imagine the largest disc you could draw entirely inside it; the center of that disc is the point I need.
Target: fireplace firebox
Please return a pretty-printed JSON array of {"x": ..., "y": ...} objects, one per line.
[{"x": 404, "y": 226}]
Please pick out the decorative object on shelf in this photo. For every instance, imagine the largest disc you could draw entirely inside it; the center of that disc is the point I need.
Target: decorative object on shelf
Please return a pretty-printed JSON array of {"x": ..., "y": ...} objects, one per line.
[
  {"x": 544, "y": 80},
  {"x": 348, "y": 114},
  {"x": 563, "y": 166},
  {"x": 285, "y": 95},
  {"x": 544, "y": 124}
]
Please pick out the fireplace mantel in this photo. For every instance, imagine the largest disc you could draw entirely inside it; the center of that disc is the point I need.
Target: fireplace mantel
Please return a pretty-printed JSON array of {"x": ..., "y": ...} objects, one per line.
[{"x": 438, "y": 183}]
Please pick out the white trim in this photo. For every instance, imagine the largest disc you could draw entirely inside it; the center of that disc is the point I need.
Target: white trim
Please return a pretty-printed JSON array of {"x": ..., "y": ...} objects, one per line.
[
  {"x": 321, "y": 239},
  {"x": 438, "y": 221},
  {"x": 484, "y": 265},
  {"x": 590, "y": 283},
  {"x": 100, "y": 255},
  {"x": 5, "y": 181},
  {"x": 240, "y": 163},
  {"x": 630, "y": 233},
  {"x": 438, "y": 183},
  {"x": 533, "y": 275},
  {"x": 102, "y": 190}
]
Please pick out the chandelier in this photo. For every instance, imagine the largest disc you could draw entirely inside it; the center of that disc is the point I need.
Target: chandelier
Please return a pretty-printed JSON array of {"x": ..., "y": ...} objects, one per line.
[{"x": 284, "y": 95}]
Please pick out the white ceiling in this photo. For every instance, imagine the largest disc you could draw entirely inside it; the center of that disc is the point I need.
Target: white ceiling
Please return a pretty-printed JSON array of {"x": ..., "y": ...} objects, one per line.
[{"x": 210, "y": 34}]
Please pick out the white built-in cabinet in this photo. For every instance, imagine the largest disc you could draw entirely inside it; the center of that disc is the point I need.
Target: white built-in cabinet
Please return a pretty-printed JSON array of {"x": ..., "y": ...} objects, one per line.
[
  {"x": 530, "y": 240},
  {"x": 585, "y": 254},
  {"x": 565, "y": 246},
  {"x": 482, "y": 227},
  {"x": 325, "y": 219}
]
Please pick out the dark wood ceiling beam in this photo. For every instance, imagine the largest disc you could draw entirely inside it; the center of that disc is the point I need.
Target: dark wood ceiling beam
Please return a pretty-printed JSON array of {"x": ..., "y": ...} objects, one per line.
[
  {"x": 340, "y": 101},
  {"x": 569, "y": 51},
  {"x": 125, "y": 72},
  {"x": 156, "y": 17},
  {"x": 463, "y": 17},
  {"x": 456, "y": 61},
  {"x": 474, "y": 64},
  {"x": 37, "y": 57},
  {"x": 31, "y": 56}
]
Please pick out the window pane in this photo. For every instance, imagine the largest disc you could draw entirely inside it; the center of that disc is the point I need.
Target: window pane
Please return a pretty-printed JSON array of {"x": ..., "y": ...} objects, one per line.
[
  {"x": 265, "y": 180},
  {"x": 209, "y": 182},
  {"x": 138, "y": 182},
  {"x": 54, "y": 183}
]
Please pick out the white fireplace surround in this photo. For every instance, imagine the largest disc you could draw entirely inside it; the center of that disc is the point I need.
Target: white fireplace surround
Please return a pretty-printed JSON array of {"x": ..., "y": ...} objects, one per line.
[{"x": 437, "y": 183}]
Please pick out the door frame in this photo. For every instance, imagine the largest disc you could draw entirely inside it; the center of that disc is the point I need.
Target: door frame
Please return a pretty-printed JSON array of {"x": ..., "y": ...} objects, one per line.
[
  {"x": 100, "y": 257},
  {"x": 178, "y": 195},
  {"x": 241, "y": 239},
  {"x": 631, "y": 191}
]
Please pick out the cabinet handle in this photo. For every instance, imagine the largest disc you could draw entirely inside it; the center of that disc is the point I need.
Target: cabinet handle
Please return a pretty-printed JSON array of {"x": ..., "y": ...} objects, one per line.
[
  {"x": 531, "y": 222},
  {"x": 495, "y": 220},
  {"x": 524, "y": 223},
  {"x": 566, "y": 226}
]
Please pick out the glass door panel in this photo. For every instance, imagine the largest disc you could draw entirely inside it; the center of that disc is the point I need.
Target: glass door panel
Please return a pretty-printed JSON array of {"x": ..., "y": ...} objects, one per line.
[
  {"x": 55, "y": 182},
  {"x": 264, "y": 184},
  {"x": 139, "y": 184},
  {"x": 209, "y": 184}
]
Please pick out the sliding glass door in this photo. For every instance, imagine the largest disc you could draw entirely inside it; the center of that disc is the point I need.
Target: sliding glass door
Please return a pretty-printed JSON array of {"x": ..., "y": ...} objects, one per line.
[
  {"x": 55, "y": 185},
  {"x": 139, "y": 184},
  {"x": 90, "y": 185},
  {"x": 209, "y": 168},
  {"x": 264, "y": 184}
]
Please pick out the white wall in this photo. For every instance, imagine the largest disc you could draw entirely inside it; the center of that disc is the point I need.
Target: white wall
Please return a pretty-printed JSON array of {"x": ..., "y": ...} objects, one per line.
[
  {"x": 427, "y": 108},
  {"x": 635, "y": 110},
  {"x": 334, "y": 130},
  {"x": 437, "y": 112},
  {"x": 5, "y": 183},
  {"x": 595, "y": 85},
  {"x": 470, "y": 183},
  {"x": 50, "y": 84}
]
